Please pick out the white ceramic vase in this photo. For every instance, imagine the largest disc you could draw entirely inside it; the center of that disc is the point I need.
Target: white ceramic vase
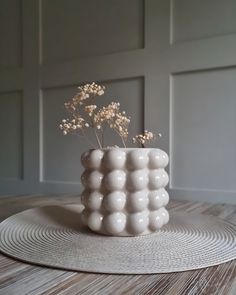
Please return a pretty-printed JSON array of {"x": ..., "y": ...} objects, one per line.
[{"x": 124, "y": 190}]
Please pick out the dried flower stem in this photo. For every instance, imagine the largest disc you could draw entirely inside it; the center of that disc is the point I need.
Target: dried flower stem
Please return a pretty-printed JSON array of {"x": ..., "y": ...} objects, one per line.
[
  {"x": 84, "y": 137},
  {"x": 88, "y": 141},
  {"x": 123, "y": 141},
  {"x": 103, "y": 131},
  {"x": 97, "y": 138}
]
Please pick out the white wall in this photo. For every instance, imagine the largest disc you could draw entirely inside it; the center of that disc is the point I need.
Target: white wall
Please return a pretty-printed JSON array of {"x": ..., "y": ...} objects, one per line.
[{"x": 170, "y": 62}]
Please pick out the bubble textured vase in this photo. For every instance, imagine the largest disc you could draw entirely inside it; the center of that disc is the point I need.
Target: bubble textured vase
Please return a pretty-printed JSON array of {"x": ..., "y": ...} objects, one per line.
[{"x": 124, "y": 191}]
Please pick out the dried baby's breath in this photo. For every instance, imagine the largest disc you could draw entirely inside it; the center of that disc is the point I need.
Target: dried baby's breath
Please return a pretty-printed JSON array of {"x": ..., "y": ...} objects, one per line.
[
  {"x": 121, "y": 124},
  {"x": 68, "y": 125},
  {"x": 92, "y": 88},
  {"x": 144, "y": 138},
  {"x": 89, "y": 109},
  {"x": 107, "y": 113},
  {"x": 86, "y": 114},
  {"x": 115, "y": 119}
]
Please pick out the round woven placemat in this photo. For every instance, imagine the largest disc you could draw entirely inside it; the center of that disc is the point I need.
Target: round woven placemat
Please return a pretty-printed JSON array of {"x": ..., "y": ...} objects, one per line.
[{"x": 53, "y": 236}]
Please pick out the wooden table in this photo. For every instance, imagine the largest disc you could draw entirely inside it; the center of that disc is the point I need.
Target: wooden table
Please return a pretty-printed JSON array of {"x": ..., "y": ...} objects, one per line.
[{"x": 17, "y": 278}]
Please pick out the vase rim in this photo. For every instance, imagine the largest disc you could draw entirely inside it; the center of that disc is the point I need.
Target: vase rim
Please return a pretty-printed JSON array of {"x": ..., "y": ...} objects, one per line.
[{"x": 122, "y": 148}]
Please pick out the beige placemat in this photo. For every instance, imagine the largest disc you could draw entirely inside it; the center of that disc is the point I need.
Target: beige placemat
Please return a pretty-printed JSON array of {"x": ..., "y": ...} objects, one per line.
[{"x": 53, "y": 236}]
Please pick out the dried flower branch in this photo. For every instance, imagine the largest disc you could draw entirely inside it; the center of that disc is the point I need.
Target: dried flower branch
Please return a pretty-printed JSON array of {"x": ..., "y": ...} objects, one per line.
[
  {"x": 85, "y": 114},
  {"x": 145, "y": 138},
  {"x": 116, "y": 120},
  {"x": 90, "y": 109},
  {"x": 92, "y": 88},
  {"x": 68, "y": 125}
]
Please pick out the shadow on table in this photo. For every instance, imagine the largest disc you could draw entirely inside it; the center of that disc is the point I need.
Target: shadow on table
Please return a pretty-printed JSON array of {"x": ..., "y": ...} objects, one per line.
[{"x": 66, "y": 216}]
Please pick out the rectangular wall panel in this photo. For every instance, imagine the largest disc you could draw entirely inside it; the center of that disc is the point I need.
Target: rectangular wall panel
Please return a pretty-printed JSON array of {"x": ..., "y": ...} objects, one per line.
[
  {"x": 89, "y": 28},
  {"x": 11, "y": 145},
  {"x": 199, "y": 19},
  {"x": 10, "y": 33},
  {"x": 61, "y": 154},
  {"x": 203, "y": 135}
]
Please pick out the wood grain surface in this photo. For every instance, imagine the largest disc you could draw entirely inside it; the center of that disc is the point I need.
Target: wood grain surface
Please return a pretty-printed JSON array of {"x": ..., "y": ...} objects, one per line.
[{"x": 17, "y": 278}]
